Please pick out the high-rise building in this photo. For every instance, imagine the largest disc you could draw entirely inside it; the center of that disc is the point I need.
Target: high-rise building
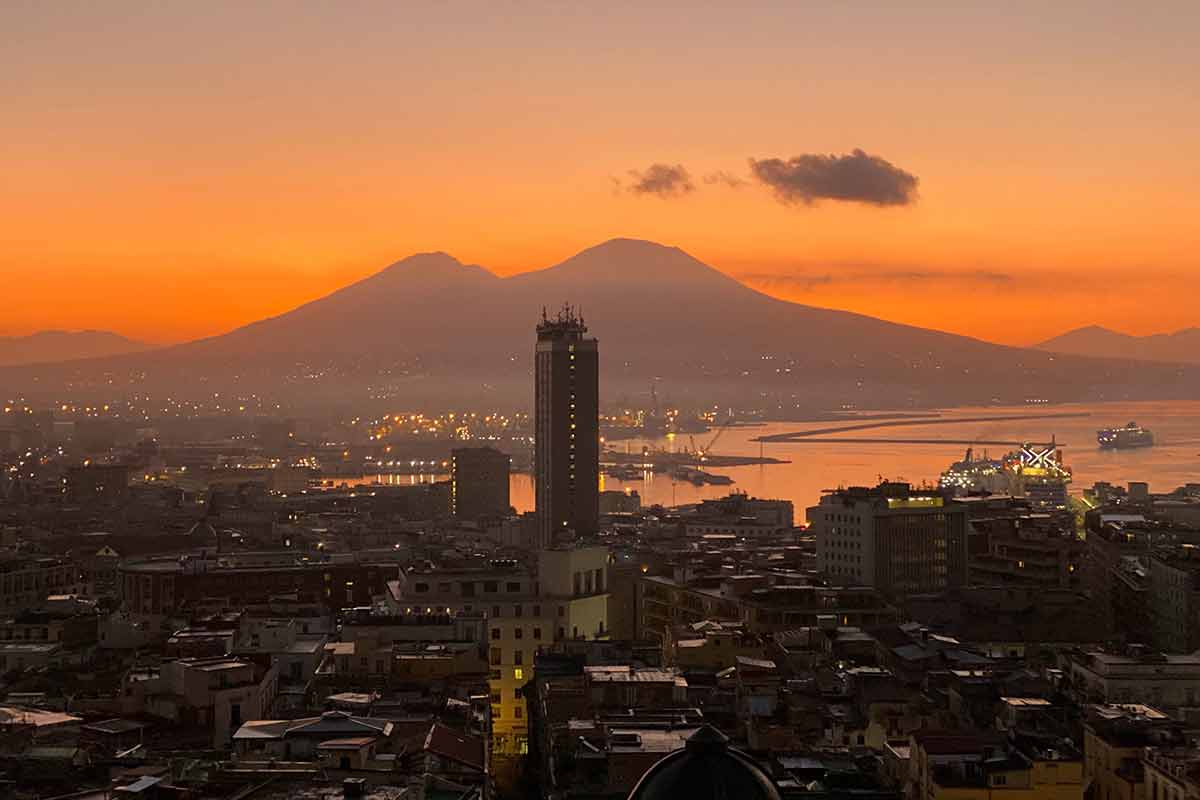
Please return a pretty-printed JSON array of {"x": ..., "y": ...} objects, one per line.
[
  {"x": 567, "y": 430},
  {"x": 891, "y": 539},
  {"x": 479, "y": 482}
]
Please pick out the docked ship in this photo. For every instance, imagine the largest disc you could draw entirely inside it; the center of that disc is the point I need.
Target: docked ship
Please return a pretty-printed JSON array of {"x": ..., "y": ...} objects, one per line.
[
  {"x": 1130, "y": 436},
  {"x": 1035, "y": 472},
  {"x": 974, "y": 474}
]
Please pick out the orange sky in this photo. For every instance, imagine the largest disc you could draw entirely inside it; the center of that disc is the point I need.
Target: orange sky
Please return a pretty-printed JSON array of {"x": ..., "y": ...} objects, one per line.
[{"x": 177, "y": 171}]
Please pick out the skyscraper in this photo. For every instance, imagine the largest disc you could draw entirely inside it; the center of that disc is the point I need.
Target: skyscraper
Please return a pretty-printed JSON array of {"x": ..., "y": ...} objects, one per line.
[{"x": 567, "y": 429}]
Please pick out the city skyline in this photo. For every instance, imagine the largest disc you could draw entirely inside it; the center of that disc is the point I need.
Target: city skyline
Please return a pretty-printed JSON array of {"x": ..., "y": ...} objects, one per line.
[
  {"x": 274, "y": 154},
  {"x": 586, "y": 402}
]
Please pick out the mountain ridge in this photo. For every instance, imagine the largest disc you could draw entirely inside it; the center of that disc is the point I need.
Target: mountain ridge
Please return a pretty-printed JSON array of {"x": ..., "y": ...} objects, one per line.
[
  {"x": 56, "y": 345},
  {"x": 429, "y": 326},
  {"x": 1181, "y": 346}
]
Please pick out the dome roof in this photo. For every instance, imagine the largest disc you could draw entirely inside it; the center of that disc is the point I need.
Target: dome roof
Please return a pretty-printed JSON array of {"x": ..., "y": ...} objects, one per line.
[{"x": 707, "y": 768}]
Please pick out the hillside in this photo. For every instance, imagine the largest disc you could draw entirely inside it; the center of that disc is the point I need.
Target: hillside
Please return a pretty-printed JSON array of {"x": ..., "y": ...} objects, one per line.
[
  {"x": 47, "y": 346},
  {"x": 431, "y": 328},
  {"x": 1180, "y": 347}
]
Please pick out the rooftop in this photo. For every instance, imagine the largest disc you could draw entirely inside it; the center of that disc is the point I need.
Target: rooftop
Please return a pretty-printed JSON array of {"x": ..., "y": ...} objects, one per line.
[{"x": 627, "y": 674}]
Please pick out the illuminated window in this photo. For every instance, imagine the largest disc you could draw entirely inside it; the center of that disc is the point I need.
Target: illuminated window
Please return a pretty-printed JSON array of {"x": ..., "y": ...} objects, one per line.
[{"x": 518, "y": 674}]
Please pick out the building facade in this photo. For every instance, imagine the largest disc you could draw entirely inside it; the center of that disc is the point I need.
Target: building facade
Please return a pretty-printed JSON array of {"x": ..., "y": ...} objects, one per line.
[
  {"x": 479, "y": 482},
  {"x": 525, "y": 611},
  {"x": 1174, "y": 598},
  {"x": 567, "y": 428},
  {"x": 891, "y": 539}
]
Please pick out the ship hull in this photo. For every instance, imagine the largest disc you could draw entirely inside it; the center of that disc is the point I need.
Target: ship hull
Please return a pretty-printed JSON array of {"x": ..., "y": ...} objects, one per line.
[{"x": 1130, "y": 437}]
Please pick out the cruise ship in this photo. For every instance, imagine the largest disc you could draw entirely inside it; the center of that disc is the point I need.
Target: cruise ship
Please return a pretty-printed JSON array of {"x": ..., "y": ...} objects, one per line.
[
  {"x": 974, "y": 474},
  {"x": 1132, "y": 435},
  {"x": 1035, "y": 472}
]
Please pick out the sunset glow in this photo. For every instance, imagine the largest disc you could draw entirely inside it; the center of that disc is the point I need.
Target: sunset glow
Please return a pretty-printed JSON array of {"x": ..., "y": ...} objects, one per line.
[{"x": 173, "y": 172}]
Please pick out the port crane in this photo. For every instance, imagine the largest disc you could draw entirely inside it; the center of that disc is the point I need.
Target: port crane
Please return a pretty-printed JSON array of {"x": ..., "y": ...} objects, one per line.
[{"x": 700, "y": 452}]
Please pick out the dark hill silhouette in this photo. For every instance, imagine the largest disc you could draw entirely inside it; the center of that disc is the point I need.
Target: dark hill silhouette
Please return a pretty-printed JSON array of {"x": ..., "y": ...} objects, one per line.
[
  {"x": 429, "y": 327},
  {"x": 1181, "y": 346},
  {"x": 48, "y": 346}
]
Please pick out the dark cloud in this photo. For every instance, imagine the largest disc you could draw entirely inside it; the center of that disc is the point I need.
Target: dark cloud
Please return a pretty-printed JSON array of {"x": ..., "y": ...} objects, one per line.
[
  {"x": 855, "y": 178},
  {"x": 724, "y": 178},
  {"x": 810, "y": 281},
  {"x": 663, "y": 180}
]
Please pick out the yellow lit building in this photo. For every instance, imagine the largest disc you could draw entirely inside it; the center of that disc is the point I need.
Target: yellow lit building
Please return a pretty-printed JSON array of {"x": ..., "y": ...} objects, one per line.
[
  {"x": 975, "y": 765},
  {"x": 524, "y": 612},
  {"x": 1114, "y": 740}
]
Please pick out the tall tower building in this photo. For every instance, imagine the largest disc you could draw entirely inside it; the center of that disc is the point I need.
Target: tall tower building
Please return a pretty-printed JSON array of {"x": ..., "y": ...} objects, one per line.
[{"x": 567, "y": 427}]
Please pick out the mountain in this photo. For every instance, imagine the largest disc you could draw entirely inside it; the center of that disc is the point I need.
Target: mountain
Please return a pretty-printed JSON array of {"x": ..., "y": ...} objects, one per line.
[
  {"x": 46, "y": 346},
  {"x": 429, "y": 329},
  {"x": 1180, "y": 347}
]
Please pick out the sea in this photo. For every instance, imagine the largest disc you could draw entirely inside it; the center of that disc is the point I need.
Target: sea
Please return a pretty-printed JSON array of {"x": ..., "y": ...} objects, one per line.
[{"x": 864, "y": 457}]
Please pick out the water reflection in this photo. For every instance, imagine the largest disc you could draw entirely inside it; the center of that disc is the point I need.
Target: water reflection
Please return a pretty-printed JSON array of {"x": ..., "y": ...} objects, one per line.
[{"x": 814, "y": 466}]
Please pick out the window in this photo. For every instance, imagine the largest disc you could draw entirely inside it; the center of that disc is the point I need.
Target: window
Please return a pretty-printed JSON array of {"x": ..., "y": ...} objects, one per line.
[
  {"x": 495, "y": 633},
  {"x": 496, "y": 712},
  {"x": 518, "y": 657},
  {"x": 537, "y": 634},
  {"x": 468, "y": 588},
  {"x": 517, "y": 611},
  {"x": 562, "y": 611},
  {"x": 495, "y": 697},
  {"x": 512, "y": 586},
  {"x": 422, "y": 587},
  {"x": 537, "y": 611},
  {"x": 517, "y": 695},
  {"x": 495, "y": 611},
  {"x": 518, "y": 712},
  {"x": 494, "y": 675},
  {"x": 444, "y": 587},
  {"x": 518, "y": 633},
  {"x": 496, "y": 656},
  {"x": 518, "y": 674},
  {"x": 490, "y": 586}
]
